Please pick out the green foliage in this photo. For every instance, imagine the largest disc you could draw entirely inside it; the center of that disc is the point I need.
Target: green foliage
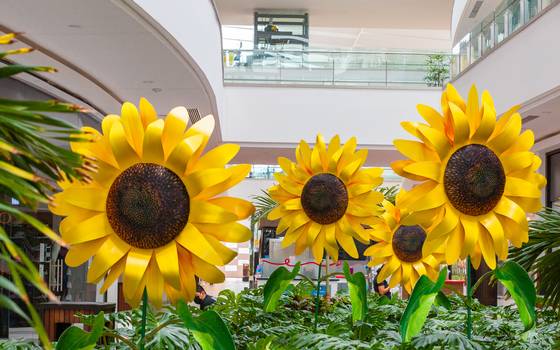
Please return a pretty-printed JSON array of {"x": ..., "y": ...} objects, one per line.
[
  {"x": 437, "y": 69},
  {"x": 76, "y": 338},
  {"x": 27, "y": 150},
  {"x": 419, "y": 305},
  {"x": 358, "y": 293},
  {"x": 208, "y": 329},
  {"x": 389, "y": 192},
  {"x": 263, "y": 205},
  {"x": 521, "y": 288},
  {"x": 7, "y": 344},
  {"x": 541, "y": 255},
  {"x": 276, "y": 285}
]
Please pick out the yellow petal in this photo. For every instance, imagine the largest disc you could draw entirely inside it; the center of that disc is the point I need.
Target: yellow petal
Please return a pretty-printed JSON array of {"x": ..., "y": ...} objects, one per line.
[
  {"x": 396, "y": 278},
  {"x": 237, "y": 173},
  {"x": 510, "y": 209},
  {"x": 186, "y": 271},
  {"x": 436, "y": 139},
  {"x": 182, "y": 153},
  {"x": 206, "y": 271},
  {"x": 521, "y": 188},
  {"x": 494, "y": 227},
  {"x": 91, "y": 229},
  {"x": 487, "y": 249},
  {"x": 318, "y": 247},
  {"x": 292, "y": 204},
  {"x": 201, "y": 180},
  {"x": 147, "y": 112},
  {"x": 124, "y": 153},
  {"x": 287, "y": 184},
  {"x": 277, "y": 213},
  {"x": 167, "y": 259},
  {"x": 517, "y": 161},
  {"x": 502, "y": 141},
  {"x": 154, "y": 284},
  {"x": 133, "y": 127},
  {"x": 217, "y": 157},
  {"x": 203, "y": 127},
  {"x": 347, "y": 243},
  {"x": 454, "y": 245},
  {"x": 137, "y": 261},
  {"x": 316, "y": 165},
  {"x": 472, "y": 111},
  {"x": 429, "y": 170},
  {"x": 303, "y": 156},
  {"x": 174, "y": 128},
  {"x": 312, "y": 232},
  {"x": 207, "y": 247},
  {"x": 446, "y": 225},
  {"x": 486, "y": 127},
  {"x": 460, "y": 124},
  {"x": 116, "y": 270},
  {"x": 471, "y": 228},
  {"x": 349, "y": 170},
  {"x": 240, "y": 207},
  {"x": 431, "y": 116},
  {"x": 415, "y": 150},
  {"x": 91, "y": 197},
  {"x": 388, "y": 269},
  {"x": 152, "y": 148},
  {"x": 432, "y": 199},
  {"x": 80, "y": 253},
  {"x": 112, "y": 250},
  {"x": 420, "y": 268},
  {"x": 293, "y": 235},
  {"x": 232, "y": 232},
  {"x": 206, "y": 213}
]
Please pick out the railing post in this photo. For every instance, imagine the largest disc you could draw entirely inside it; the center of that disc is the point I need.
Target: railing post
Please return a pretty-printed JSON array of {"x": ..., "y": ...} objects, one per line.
[
  {"x": 386, "y": 72},
  {"x": 333, "y": 71}
]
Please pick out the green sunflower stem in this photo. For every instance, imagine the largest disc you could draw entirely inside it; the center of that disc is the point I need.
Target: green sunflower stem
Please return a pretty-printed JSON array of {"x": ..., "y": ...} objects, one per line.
[
  {"x": 317, "y": 297},
  {"x": 469, "y": 299},
  {"x": 143, "y": 324}
]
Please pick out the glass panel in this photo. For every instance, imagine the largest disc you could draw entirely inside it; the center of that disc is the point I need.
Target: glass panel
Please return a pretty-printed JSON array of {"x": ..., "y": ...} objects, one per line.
[
  {"x": 514, "y": 16},
  {"x": 531, "y": 9},
  {"x": 464, "y": 52},
  {"x": 487, "y": 38},
  {"x": 545, "y": 3},
  {"x": 500, "y": 27},
  {"x": 476, "y": 39}
]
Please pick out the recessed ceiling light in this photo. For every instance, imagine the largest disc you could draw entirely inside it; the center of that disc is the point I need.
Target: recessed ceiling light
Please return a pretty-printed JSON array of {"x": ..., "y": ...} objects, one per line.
[
  {"x": 156, "y": 90},
  {"x": 546, "y": 112},
  {"x": 74, "y": 26},
  {"x": 147, "y": 81}
]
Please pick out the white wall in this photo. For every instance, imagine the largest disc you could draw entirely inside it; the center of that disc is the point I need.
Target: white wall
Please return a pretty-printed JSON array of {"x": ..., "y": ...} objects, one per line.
[
  {"x": 524, "y": 67},
  {"x": 194, "y": 25},
  {"x": 288, "y": 114}
]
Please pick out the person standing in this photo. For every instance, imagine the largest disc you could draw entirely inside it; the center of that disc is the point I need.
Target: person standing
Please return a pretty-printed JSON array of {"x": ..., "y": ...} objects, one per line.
[{"x": 381, "y": 287}]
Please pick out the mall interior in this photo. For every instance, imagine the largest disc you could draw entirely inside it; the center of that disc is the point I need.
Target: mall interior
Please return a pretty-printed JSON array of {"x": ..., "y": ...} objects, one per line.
[{"x": 273, "y": 73}]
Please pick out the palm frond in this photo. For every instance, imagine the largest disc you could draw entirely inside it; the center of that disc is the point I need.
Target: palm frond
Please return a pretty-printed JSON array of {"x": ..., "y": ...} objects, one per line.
[
  {"x": 263, "y": 205},
  {"x": 541, "y": 254}
]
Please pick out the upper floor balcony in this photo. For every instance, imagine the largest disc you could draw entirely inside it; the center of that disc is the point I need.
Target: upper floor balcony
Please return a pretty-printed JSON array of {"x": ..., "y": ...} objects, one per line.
[{"x": 337, "y": 68}]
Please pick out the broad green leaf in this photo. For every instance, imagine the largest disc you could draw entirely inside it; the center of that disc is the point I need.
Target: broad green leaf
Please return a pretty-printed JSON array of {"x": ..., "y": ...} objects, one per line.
[
  {"x": 208, "y": 329},
  {"x": 442, "y": 300},
  {"x": 277, "y": 283},
  {"x": 419, "y": 305},
  {"x": 358, "y": 293},
  {"x": 521, "y": 288},
  {"x": 76, "y": 338}
]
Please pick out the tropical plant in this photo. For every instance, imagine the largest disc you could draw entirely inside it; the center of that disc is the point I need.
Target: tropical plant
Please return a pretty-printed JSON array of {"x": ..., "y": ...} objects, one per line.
[
  {"x": 437, "y": 69},
  {"x": 541, "y": 255},
  {"x": 29, "y": 164},
  {"x": 389, "y": 192}
]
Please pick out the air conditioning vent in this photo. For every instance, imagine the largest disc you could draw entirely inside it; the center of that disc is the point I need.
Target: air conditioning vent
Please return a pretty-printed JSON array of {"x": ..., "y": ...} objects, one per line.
[
  {"x": 476, "y": 8},
  {"x": 529, "y": 118},
  {"x": 194, "y": 115}
]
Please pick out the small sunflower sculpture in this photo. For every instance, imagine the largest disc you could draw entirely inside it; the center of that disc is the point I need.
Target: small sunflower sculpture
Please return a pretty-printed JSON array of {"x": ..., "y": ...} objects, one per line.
[
  {"x": 150, "y": 211},
  {"x": 478, "y": 176},
  {"x": 326, "y": 197},
  {"x": 399, "y": 246}
]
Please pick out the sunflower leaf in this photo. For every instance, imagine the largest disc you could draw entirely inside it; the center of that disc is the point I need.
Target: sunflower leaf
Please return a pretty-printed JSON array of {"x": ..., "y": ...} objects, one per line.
[
  {"x": 419, "y": 305},
  {"x": 358, "y": 293},
  {"x": 522, "y": 290},
  {"x": 277, "y": 283},
  {"x": 208, "y": 329}
]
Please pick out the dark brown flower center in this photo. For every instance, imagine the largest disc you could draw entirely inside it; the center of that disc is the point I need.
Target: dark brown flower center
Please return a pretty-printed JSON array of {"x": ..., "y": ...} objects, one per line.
[
  {"x": 474, "y": 180},
  {"x": 324, "y": 198},
  {"x": 148, "y": 205},
  {"x": 408, "y": 242}
]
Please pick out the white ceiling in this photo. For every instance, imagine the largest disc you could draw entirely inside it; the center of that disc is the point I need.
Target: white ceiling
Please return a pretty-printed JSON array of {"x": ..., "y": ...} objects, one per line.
[
  {"x": 105, "y": 51},
  {"x": 425, "y": 14},
  {"x": 466, "y": 23}
]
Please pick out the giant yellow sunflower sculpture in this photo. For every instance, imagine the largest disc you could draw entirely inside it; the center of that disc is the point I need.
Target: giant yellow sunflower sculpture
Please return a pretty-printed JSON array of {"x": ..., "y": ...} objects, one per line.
[
  {"x": 399, "y": 245},
  {"x": 150, "y": 212},
  {"x": 325, "y": 198},
  {"x": 478, "y": 176}
]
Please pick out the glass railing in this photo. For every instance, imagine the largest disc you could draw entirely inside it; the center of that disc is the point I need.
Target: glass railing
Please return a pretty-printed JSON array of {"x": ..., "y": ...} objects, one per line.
[
  {"x": 505, "y": 20},
  {"x": 266, "y": 172},
  {"x": 352, "y": 68}
]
